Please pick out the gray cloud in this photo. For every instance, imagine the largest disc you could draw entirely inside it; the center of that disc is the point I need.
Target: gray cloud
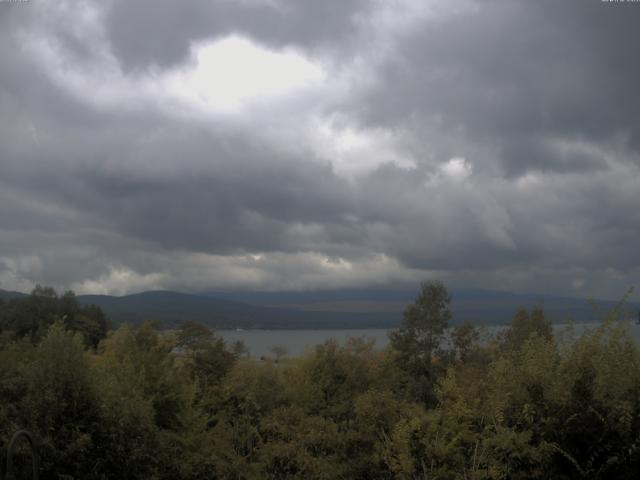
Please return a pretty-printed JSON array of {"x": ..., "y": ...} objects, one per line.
[
  {"x": 494, "y": 145},
  {"x": 169, "y": 28},
  {"x": 517, "y": 75}
]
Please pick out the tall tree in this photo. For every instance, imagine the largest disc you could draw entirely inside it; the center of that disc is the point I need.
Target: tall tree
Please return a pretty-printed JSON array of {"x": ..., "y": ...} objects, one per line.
[
  {"x": 524, "y": 325},
  {"x": 208, "y": 359},
  {"x": 419, "y": 338},
  {"x": 33, "y": 315}
]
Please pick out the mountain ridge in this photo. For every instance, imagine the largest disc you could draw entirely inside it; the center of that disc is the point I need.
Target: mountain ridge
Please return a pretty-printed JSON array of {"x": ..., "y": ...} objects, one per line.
[{"x": 333, "y": 309}]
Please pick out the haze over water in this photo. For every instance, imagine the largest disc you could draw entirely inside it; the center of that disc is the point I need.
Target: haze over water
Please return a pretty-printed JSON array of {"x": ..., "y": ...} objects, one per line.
[{"x": 298, "y": 342}]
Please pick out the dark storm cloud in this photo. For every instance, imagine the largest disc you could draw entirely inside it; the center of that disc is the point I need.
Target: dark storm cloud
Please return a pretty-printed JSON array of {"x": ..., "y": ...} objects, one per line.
[
  {"x": 148, "y": 32},
  {"x": 518, "y": 75},
  {"x": 228, "y": 194},
  {"x": 521, "y": 119}
]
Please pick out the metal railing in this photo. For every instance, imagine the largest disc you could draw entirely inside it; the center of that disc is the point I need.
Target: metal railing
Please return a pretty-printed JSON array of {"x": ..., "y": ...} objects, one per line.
[{"x": 9, "y": 471}]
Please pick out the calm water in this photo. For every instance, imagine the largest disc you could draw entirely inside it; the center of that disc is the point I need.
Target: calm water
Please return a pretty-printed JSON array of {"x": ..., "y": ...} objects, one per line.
[{"x": 297, "y": 342}]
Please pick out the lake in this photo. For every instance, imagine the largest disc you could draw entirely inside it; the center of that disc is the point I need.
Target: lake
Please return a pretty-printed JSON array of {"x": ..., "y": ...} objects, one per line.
[{"x": 297, "y": 342}]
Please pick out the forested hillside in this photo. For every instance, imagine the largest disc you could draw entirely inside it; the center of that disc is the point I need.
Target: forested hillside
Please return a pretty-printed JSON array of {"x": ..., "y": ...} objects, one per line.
[
  {"x": 140, "y": 403},
  {"x": 328, "y": 309}
]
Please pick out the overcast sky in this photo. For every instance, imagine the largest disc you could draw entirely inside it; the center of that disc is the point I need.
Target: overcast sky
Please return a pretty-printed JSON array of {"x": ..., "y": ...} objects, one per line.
[{"x": 302, "y": 144}]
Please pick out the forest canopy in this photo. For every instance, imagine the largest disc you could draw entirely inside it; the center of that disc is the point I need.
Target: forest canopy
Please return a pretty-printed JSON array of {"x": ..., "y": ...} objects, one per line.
[{"x": 439, "y": 402}]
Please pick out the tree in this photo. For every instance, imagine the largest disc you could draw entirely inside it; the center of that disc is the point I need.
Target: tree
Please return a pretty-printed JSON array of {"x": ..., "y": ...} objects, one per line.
[
  {"x": 240, "y": 349},
  {"x": 327, "y": 381},
  {"x": 525, "y": 324},
  {"x": 419, "y": 338},
  {"x": 279, "y": 351},
  {"x": 61, "y": 406},
  {"x": 32, "y": 316},
  {"x": 463, "y": 338},
  {"x": 208, "y": 360}
]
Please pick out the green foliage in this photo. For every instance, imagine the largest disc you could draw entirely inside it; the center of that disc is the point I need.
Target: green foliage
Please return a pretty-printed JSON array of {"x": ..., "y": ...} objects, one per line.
[
  {"x": 148, "y": 404},
  {"x": 464, "y": 339},
  {"x": 417, "y": 342},
  {"x": 299, "y": 446},
  {"x": 31, "y": 317},
  {"x": 49, "y": 389},
  {"x": 326, "y": 383},
  {"x": 525, "y": 324},
  {"x": 207, "y": 359}
]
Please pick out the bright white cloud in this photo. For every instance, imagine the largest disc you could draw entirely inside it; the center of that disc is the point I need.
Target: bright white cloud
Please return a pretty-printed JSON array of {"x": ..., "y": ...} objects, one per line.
[
  {"x": 230, "y": 73},
  {"x": 291, "y": 271},
  {"x": 354, "y": 151},
  {"x": 120, "y": 281},
  {"x": 227, "y": 76},
  {"x": 456, "y": 169}
]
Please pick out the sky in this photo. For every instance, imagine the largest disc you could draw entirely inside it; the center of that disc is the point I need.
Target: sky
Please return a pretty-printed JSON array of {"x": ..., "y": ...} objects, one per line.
[{"x": 202, "y": 145}]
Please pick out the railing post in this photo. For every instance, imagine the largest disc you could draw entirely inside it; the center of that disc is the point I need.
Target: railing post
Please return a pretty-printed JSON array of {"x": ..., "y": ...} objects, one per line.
[{"x": 9, "y": 473}]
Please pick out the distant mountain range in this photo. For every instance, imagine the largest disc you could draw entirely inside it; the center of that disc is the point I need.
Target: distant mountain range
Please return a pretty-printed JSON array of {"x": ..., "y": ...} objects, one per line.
[
  {"x": 332, "y": 309},
  {"x": 7, "y": 295}
]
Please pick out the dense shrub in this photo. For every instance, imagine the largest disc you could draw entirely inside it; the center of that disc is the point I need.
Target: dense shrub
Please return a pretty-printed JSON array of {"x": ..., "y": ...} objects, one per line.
[{"x": 144, "y": 403}]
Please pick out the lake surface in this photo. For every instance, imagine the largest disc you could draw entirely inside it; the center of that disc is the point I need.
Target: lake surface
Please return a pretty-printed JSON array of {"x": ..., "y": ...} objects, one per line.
[{"x": 297, "y": 342}]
